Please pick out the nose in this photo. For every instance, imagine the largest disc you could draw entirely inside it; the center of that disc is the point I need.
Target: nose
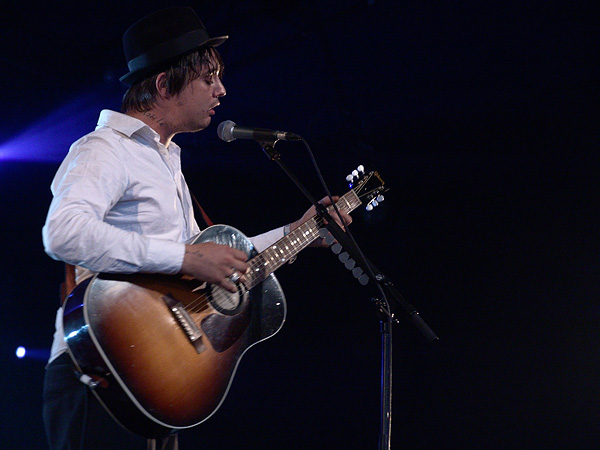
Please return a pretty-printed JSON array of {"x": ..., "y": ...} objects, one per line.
[{"x": 219, "y": 88}]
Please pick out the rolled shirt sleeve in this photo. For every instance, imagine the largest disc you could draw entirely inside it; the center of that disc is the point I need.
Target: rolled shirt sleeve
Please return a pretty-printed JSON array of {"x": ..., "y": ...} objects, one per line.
[{"x": 119, "y": 205}]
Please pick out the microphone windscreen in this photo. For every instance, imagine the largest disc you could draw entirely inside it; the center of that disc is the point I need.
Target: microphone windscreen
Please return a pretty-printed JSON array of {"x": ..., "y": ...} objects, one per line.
[{"x": 225, "y": 130}]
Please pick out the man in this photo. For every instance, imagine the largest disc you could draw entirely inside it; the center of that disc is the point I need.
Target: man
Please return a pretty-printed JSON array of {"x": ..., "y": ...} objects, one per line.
[{"x": 121, "y": 203}]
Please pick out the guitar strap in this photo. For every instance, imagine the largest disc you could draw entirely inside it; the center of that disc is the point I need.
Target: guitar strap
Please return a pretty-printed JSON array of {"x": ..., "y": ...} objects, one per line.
[
  {"x": 207, "y": 221},
  {"x": 69, "y": 284}
]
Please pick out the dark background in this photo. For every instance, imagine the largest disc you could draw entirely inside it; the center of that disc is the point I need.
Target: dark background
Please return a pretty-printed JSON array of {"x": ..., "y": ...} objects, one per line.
[{"x": 482, "y": 119}]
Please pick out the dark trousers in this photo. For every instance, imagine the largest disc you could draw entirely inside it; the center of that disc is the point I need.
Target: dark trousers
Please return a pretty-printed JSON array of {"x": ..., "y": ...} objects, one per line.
[{"x": 75, "y": 420}]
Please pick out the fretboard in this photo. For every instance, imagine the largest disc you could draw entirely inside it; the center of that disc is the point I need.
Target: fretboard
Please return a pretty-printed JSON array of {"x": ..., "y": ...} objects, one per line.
[{"x": 271, "y": 259}]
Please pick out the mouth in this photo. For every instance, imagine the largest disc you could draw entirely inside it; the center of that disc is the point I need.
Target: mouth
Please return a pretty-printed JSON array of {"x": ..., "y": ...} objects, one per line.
[{"x": 212, "y": 110}]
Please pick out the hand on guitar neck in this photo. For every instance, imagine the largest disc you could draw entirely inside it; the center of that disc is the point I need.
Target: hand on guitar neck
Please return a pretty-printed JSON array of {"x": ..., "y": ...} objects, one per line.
[{"x": 320, "y": 242}]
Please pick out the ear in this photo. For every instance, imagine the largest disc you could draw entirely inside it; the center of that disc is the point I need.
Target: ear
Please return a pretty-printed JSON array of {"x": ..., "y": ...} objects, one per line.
[{"x": 161, "y": 86}]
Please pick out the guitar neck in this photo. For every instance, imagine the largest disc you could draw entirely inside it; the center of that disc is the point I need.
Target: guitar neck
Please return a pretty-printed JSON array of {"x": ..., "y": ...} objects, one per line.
[{"x": 271, "y": 259}]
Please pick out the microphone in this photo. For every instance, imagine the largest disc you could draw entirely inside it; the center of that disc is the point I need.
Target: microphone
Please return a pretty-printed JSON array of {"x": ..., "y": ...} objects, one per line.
[{"x": 229, "y": 131}]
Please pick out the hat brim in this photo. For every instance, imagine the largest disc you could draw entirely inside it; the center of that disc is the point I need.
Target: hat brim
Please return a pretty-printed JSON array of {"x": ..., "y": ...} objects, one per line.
[{"x": 134, "y": 75}]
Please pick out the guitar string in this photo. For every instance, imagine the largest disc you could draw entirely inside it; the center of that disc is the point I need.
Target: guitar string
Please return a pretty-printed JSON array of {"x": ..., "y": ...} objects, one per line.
[
  {"x": 300, "y": 239},
  {"x": 276, "y": 255}
]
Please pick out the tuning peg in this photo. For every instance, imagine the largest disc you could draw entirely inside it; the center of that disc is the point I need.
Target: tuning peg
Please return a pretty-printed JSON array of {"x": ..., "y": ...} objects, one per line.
[
  {"x": 374, "y": 202},
  {"x": 350, "y": 180},
  {"x": 350, "y": 264},
  {"x": 336, "y": 248},
  {"x": 355, "y": 175}
]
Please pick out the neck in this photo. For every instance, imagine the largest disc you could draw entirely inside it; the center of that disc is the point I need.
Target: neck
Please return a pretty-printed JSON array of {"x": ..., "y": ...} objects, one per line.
[{"x": 156, "y": 119}]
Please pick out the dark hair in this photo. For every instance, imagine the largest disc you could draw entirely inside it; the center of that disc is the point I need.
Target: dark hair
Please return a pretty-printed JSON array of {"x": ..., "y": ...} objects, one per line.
[{"x": 141, "y": 96}]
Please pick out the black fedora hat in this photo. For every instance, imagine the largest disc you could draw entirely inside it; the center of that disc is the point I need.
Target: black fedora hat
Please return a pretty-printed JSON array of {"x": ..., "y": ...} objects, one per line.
[{"x": 161, "y": 37}]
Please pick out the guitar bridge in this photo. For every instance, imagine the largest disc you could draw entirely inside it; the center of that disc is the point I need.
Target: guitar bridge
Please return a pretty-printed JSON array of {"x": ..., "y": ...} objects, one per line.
[{"x": 186, "y": 322}]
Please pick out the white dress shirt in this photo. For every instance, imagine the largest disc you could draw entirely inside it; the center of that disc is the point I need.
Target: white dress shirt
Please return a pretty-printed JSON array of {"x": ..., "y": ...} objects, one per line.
[{"x": 121, "y": 204}]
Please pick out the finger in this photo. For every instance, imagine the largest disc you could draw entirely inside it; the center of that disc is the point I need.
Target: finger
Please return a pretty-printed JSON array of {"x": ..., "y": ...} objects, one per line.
[
  {"x": 346, "y": 218},
  {"x": 226, "y": 283},
  {"x": 326, "y": 201},
  {"x": 234, "y": 277},
  {"x": 229, "y": 286},
  {"x": 238, "y": 254},
  {"x": 320, "y": 243},
  {"x": 240, "y": 266}
]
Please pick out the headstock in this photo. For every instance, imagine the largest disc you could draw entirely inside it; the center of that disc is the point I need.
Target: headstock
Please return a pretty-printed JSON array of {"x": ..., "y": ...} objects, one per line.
[{"x": 369, "y": 187}]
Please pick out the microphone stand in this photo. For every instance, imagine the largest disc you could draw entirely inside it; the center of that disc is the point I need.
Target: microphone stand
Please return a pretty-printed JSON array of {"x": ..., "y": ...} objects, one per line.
[{"x": 386, "y": 306}]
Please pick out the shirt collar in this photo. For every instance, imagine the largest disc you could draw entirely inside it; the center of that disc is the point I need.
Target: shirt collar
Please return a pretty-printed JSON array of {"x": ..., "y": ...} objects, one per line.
[{"x": 128, "y": 126}]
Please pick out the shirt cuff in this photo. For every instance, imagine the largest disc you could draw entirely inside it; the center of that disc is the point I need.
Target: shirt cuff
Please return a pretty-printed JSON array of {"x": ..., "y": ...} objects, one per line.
[
  {"x": 164, "y": 256},
  {"x": 263, "y": 241}
]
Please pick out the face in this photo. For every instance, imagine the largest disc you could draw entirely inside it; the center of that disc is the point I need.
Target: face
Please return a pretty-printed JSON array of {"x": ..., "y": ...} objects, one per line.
[{"x": 196, "y": 103}]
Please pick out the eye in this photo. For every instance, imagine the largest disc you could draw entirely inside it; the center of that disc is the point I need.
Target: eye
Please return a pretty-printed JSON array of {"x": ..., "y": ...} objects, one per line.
[{"x": 210, "y": 78}]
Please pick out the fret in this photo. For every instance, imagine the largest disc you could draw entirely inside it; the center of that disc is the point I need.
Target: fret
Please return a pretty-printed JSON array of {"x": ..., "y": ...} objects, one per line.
[{"x": 272, "y": 258}]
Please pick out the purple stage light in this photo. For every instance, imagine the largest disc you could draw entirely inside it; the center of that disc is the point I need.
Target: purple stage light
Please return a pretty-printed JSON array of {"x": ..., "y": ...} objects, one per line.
[{"x": 49, "y": 139}]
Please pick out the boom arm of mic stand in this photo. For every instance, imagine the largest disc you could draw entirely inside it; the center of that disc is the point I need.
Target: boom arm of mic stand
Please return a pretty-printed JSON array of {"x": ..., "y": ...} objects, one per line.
[
  {"x": 274, "y": 155},
  {"x": 394, "y": 297}
]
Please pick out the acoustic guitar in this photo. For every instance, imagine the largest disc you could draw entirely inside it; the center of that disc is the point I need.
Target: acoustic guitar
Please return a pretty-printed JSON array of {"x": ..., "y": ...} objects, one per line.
[{"x": 161, "y": 351}]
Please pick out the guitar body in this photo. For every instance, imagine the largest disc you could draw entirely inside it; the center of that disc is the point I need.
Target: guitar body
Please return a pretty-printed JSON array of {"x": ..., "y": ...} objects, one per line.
[{"x": 162, "y": 349}]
